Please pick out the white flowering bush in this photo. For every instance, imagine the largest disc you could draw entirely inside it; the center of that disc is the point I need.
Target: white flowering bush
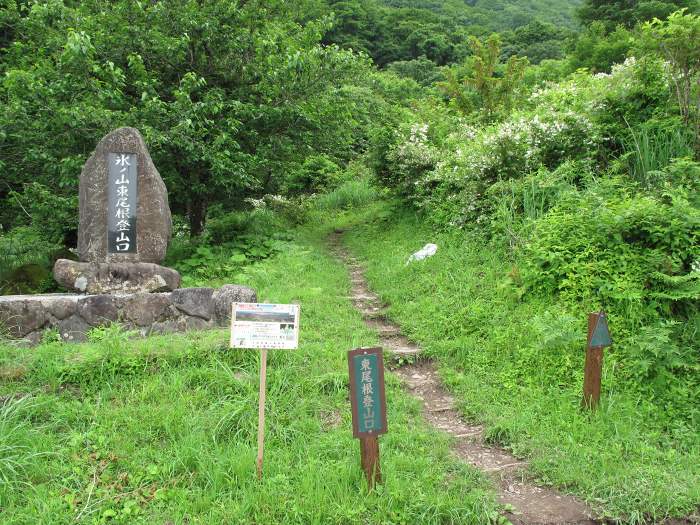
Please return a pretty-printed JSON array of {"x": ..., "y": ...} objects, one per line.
[
  {"x": 583, "y": 121},
  {"x": 411, "y": 158},
  {"x": 470, "y": 161}
]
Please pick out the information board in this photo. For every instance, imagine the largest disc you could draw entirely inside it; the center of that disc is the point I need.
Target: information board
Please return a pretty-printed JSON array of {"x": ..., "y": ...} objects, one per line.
[
  {"x": 367, "y": 395},
  {"x": 255, "y": 325}
]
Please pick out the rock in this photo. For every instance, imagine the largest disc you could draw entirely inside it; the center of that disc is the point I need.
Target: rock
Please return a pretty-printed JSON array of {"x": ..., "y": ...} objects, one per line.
[
  {"x": 28, "y": 317},
  {"x": 196, "y": 323},
  {"x": 100, "y": 309},
  {"x": 102, "y": 278},
  {"x": 61, "y": 307},
  {"x": 153, "y": 221},
  {"x": 73, "y": 329},
  {"x": 167, "y": 327},
  {"x": 228, "y": 294},
  {"x": 144, "y": 309},
  {"x": 33, "y": 338},
  {"x": 194, "y": 301},
  {"x": 20, "y": 315}
]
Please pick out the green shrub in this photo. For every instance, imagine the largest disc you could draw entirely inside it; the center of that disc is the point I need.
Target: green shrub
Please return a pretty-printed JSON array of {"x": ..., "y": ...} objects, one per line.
[
  {"x": 26, "y": 256},
  {"x": 454, "y": 192},
  {"x": 317, "y": 173},
  {"x": 46, "y": 210},
  {"x": 634, "y": 254},
  {"x": 228, "y": 226},
  {"x": 682, "y": 174},
  {"x": 410, "y": 158},
  {"x": 278, "y": 213},
  {"x": 515, "y": 204}
]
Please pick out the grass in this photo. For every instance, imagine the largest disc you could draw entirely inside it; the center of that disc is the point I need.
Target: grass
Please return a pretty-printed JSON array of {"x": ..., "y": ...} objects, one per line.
[
  {"x": 516, "y": 365},
  {"x": 654, "y": 148},
  {"x": 15, "y": 455},
  {"x": 353, "y": 193},
  {"x": 163, "y": 429}
]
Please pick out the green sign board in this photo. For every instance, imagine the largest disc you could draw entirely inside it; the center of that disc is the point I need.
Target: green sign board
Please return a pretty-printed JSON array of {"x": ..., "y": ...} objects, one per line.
[
  {"x": 367, "y": 395},
  {"x": 600, "y": 336}
]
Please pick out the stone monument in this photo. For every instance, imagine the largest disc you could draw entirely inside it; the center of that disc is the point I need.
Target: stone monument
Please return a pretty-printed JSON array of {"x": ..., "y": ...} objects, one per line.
[
  {"x": 124, "y": 231},
  {"x": 125, "y": 223}
]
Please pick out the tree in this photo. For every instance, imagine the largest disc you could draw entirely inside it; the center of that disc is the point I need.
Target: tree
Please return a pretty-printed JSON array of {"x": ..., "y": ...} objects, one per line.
[
  {"x": 628, "y": 13},
  {"x": 598, "y": 50},
  {"x": 676, "y": 39},
  {"x": 421, "y": 69},
  {"x": 537, "y": 41},
  {"x": 230, "y": 96},
  {"x": 489, "y": 85}
]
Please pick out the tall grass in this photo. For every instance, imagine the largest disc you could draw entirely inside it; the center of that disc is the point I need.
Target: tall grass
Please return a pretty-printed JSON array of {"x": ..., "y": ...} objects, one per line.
[
  {"x": 16, "y": 457},
  {"x": 353, "y": 193},
  {"x": 652, "y": 148}
]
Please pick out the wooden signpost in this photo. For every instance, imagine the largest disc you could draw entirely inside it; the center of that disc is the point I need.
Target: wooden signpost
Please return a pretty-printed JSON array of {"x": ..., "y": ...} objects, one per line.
[
  {"x": 264, "y": 326},
  {"x": 368, "y": 401},
  {"x": 598, "y": 338}
]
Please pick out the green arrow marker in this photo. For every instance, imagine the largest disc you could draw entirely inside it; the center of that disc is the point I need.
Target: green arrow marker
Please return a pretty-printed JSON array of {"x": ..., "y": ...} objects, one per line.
[{"x": 601, "y": 334}]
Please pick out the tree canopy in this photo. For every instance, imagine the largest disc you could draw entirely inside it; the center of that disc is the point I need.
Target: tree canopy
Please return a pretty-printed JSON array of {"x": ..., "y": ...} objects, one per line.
[
  {"x": 230, "y": 96},
  {"x": 629, "y": 13}
]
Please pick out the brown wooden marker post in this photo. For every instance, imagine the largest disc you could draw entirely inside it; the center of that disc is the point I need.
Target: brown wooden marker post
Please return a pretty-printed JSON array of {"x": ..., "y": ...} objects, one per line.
[
  {"x": 369, "y": 458},
  {"x": 368, "y": 402},
  {"x": 593, "y": 369}
]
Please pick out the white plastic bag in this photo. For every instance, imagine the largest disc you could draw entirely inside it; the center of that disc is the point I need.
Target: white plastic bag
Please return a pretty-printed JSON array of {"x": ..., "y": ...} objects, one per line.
[{"x": 426, "y": 251}]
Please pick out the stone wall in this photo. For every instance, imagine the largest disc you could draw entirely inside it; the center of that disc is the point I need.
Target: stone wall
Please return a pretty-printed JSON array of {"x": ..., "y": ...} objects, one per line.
[{"x": 72, "y": 315}]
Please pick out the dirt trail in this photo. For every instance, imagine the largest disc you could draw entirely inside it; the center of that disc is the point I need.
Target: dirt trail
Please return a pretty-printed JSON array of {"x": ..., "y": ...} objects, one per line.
[{"x": 528, "y": 503}]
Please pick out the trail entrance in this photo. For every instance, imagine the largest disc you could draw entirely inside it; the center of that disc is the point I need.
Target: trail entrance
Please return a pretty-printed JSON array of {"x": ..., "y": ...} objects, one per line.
[{"x": 528, "y": 503}]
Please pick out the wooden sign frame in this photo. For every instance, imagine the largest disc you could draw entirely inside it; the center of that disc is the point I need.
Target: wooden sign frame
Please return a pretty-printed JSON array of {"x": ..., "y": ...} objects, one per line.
[
  {"x": 263, "y": 309},
  {"x": 354, "y": 397}
]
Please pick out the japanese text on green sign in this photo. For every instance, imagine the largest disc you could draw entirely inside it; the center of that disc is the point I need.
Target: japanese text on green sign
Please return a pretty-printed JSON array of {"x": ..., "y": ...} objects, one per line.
[{"x": 367, "y": 392}]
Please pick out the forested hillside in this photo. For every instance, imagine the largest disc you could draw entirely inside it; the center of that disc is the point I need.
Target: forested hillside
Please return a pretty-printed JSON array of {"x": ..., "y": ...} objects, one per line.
[
  {"x": 403, "y": 30},
  {"x": 550, "y": 149},
  {"x": 498, "y": 15}
]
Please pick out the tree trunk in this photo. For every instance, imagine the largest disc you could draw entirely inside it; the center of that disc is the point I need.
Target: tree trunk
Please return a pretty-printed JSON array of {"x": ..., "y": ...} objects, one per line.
[{"x": 197, "y": 213}]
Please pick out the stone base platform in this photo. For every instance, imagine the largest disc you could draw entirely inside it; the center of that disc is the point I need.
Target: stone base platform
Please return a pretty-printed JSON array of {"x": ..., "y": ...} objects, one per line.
[
  {"x": 72, "y": 315},
  {"x": 102, "y": 278}
]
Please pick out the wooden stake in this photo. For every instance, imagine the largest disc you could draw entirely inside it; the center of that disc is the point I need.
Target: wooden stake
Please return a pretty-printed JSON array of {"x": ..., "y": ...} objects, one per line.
[
  {"x": 369, "y": 455},
  {"x": 593, "y": 368},
  {"x": 261, "y": 410}
]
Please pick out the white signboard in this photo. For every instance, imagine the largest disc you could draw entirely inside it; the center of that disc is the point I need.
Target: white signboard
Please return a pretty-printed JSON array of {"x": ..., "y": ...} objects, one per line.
[{"x": 256, "y": 325}]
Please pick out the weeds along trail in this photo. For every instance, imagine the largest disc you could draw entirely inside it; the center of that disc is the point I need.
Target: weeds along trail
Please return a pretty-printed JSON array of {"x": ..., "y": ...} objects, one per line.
[{"x": 525, "y": 502}]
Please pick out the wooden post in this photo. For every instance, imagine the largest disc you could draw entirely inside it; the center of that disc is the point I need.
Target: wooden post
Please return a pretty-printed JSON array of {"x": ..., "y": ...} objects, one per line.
[
  {"x": 369, "y": 455},
  {"x": 261, "y": 410},
  {"x": 593, "y": 368},
  {"x": 368, "y": 402}
]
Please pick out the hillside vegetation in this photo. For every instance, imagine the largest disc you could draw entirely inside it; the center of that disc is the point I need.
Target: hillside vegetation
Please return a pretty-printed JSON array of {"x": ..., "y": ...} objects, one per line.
[{"x": 399, "y": 30}]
